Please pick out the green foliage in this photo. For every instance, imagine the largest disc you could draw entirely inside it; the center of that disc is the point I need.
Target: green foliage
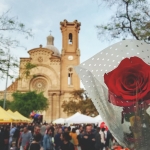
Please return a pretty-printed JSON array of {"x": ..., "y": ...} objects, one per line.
[
  {"x": 7, "y": 104},
  {"x": 87, "y": 107},
  {"x": 9, "y": 27},
  {"x": 79, "y": 101},
  {"x": 28, "y": 68},
  {"x": 27, "y": 102},
  {"x": 130, "y": 20},
  {"x": 78, "y": 94},
  {"x": 70, "y": 107}
]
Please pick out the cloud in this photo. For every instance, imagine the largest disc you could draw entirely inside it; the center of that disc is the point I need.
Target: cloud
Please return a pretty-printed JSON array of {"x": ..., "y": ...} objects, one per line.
[
  {"x": 43, "y": 16},
  {"x": 4, "y": 7}
]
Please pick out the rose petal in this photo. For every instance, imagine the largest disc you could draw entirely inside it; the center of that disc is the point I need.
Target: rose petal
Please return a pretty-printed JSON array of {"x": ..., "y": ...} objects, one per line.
[{"x": 129, "y": 81}]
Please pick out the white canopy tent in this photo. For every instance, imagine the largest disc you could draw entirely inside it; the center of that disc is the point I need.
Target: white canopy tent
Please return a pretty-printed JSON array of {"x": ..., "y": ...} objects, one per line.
[
  {"x": 81, "y": 119},
  {"x": 59, "y": 121},
  {"x": 98, "y": 118},
  {"x": 76, "y": 114}
]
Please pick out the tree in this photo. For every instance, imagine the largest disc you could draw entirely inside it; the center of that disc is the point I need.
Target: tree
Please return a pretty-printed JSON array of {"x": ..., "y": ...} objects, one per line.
[
  {"x": 10, "y": 25},
  {"x": 70, "y": 107},
  {"x": 8, "y": 104},
  {"x": 79, "y": 101},
  {"x": 130, "y": 20},
  {"x": 25, "y": 103},
  {"x": 87, "y": 107}
]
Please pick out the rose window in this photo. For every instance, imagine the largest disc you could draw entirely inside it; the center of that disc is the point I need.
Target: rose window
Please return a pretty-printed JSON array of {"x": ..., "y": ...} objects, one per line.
[{"x": 39, "y": 84}]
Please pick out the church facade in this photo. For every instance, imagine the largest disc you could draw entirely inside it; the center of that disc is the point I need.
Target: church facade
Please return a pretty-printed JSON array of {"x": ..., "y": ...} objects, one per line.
[{"x": 54, "y": 72}]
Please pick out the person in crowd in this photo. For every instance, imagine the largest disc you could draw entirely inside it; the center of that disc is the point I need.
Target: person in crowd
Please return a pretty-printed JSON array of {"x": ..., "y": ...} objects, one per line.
[
  {"x": 47, "y": 128},
  {"x": 43, "y": 129},
  {"x": 6, "y": 137},
  {"x": 35, "y": 145},
  {"x": 80, "y": 129},
  {"x": 11, "y": 134},
  {"x": 13, "y": 146},
  {"x": 74, "y": 140},
  {"x": 63, "y": 127},
  {"x": 103, "y": 138},
  {"x": 109, "y": 139},
  {"x": 69, "y": 129},
  {"x": 88, "y": 139},
  {"x": 57, "y": 139},
  {"x": 36, "y": 131},
  {"x": 84, "y": 139},
  {"x": 56, "y": 129},
  {"x": 97, "y": 139},
  {"x": 47, "y": 140},
  {"x": 30, "y": 127},
  {"x": 52, "y": 128},
  {"x": 77, "y": 131},
  {"x": 66, "y": 144},
  {"x": 21, "y": 131},
  {"x": 66, "y": 129},
  {"x": 24, "y": 139},
  {"x": 21, "y": 125},
  {"x": 80, "y": 138},
  {"x": 2, "y": 137},
  {"x": 16, "y": 135}
]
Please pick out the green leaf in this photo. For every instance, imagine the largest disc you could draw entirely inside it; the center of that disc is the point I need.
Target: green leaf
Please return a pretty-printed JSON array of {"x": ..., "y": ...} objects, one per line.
[{"x": 11, "y": 21}]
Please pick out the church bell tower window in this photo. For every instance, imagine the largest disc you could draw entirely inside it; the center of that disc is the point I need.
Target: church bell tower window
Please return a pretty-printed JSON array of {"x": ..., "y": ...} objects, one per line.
[
  {"x": 70, "y": 74},
  {"x": 70, "y": 38}
]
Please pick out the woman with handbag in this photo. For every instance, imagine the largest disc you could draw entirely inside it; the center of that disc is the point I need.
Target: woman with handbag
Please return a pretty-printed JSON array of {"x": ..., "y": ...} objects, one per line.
[{"x": 48, "y": 140}]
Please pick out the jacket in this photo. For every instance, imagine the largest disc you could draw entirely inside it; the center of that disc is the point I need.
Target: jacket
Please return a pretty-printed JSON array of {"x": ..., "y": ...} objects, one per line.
[
  {"x": 74, "y": 138},
  {"x": 97, "y": 141},
  {"x": 47, "y": 142},
  {"x": 57, "y": 140},
  {"x": 88, "y": 143}
]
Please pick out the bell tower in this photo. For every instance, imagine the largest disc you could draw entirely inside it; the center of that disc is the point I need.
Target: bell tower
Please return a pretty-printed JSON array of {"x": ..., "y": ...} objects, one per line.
[{"x": 70, "y": 55}]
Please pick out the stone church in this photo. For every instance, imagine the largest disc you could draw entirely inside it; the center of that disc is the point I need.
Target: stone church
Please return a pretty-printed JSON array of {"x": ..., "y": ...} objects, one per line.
[{"x": 54, "y": 72}]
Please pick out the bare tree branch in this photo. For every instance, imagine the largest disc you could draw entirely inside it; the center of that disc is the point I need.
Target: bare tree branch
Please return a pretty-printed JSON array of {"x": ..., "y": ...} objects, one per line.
[
  {"x": 131, "y": 19},
  {"x": 9, "y": 25}
]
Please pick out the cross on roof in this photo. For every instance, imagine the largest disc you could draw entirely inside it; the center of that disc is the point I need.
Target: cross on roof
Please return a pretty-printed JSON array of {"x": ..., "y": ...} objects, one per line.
[{"x": 50, "y": 32}]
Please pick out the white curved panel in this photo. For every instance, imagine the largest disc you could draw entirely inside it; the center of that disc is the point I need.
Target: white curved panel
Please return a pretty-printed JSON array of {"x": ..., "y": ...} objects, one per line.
[
  {"x": 109, "y": 58},
  {"x": 91, "y": 73}
]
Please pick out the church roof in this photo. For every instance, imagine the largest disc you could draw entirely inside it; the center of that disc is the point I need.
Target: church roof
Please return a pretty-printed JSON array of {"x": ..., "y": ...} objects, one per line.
[{"x": 50, "y": 46}]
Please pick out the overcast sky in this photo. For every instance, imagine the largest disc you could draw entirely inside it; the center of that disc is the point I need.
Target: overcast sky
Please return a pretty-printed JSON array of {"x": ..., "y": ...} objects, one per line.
[{"x": 45, "y": 15}]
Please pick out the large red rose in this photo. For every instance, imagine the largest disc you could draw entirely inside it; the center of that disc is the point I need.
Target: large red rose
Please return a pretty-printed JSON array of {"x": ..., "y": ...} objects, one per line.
[{"x": 129, "y": 82}]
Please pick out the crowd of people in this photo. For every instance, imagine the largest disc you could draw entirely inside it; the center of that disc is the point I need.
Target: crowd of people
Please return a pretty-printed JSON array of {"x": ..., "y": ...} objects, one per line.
[{"x": 55, "y": 137}]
